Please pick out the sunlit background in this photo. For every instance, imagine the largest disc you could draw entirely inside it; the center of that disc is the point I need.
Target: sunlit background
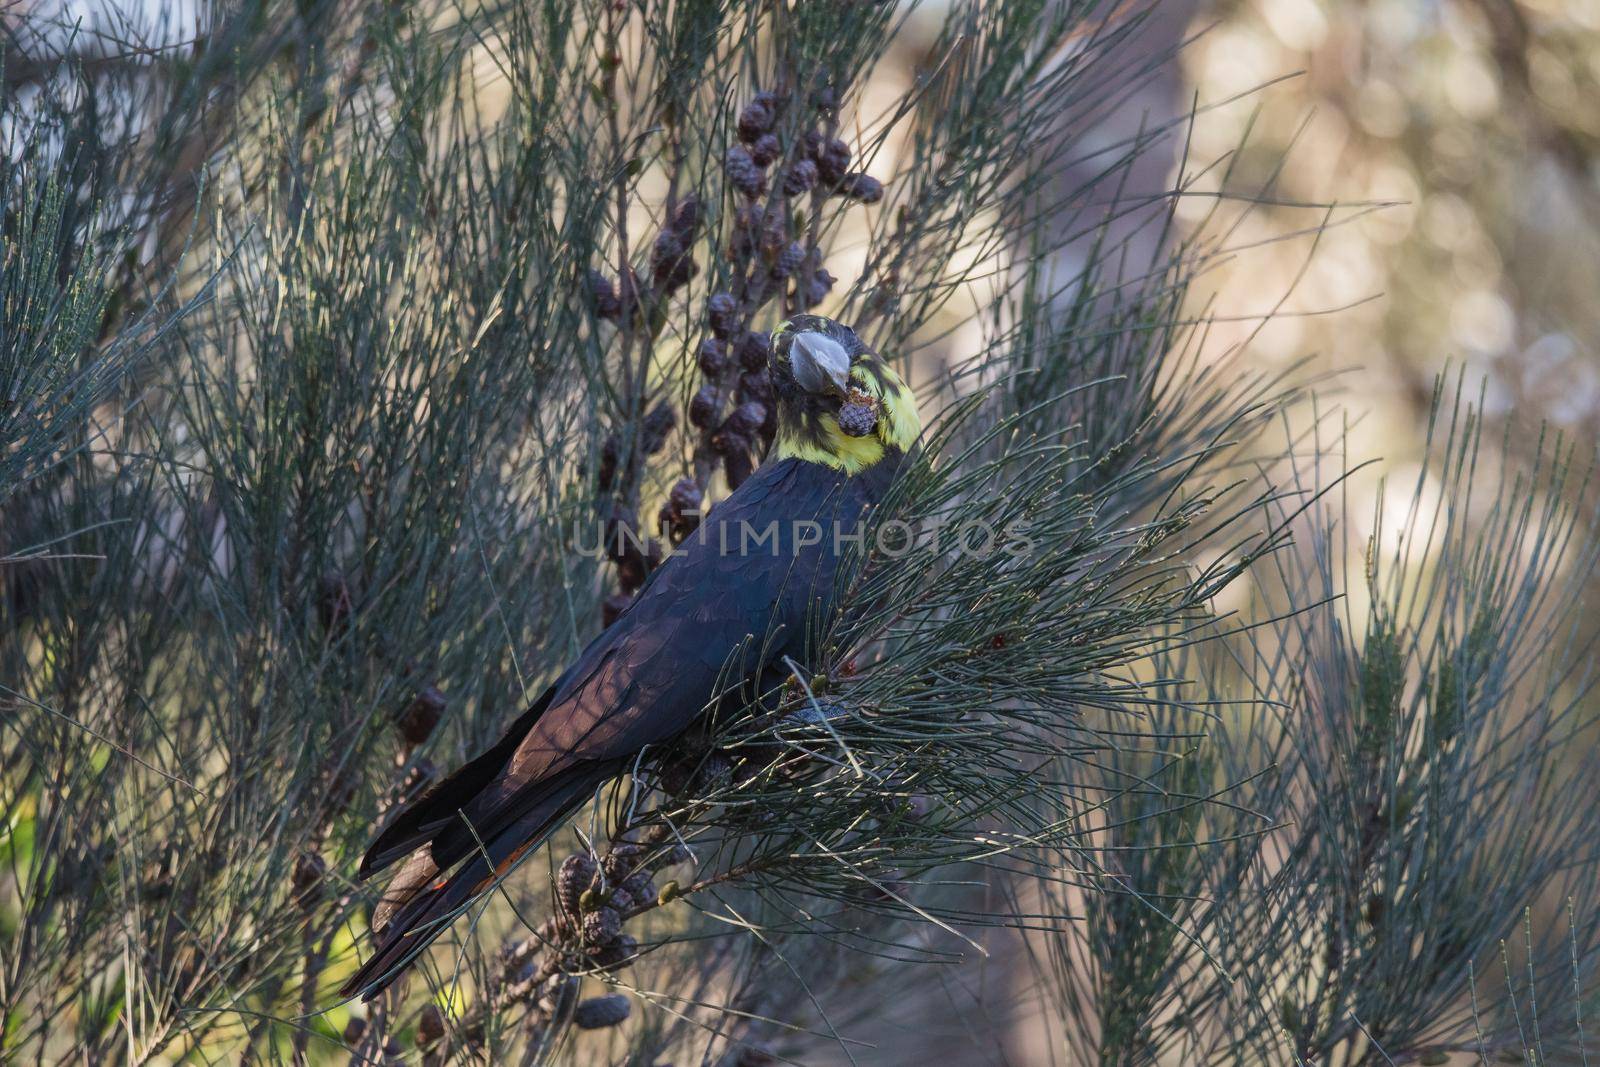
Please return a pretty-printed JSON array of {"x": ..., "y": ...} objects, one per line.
[{"x": 1477, "y": 120}]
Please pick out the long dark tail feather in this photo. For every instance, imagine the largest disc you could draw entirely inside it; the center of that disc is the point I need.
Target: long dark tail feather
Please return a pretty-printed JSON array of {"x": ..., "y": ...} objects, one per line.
[
  {"x": 430, "y": 911},
  {"x": 435, "y": 810}
]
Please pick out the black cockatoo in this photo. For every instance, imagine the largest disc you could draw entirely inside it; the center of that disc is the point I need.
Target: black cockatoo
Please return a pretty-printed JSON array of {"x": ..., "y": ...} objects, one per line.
[{"x": 734, "y": 603}]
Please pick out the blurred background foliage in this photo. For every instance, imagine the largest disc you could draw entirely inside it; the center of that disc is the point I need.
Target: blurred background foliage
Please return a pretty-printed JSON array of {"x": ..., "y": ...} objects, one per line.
[
  {"x": 324, "y": 323},
  {"x": 1474, "y": 118}
]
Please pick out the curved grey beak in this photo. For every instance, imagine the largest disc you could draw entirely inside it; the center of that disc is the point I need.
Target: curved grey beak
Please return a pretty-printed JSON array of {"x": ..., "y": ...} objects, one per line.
[{"x": 819, "y": 363}]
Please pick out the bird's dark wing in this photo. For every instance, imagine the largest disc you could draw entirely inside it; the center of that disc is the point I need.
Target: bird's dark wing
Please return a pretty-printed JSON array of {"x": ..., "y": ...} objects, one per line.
[
  {"x": 718, "y": 611},
  {"x": 732, "y": 601},
  {"x": 419, "y": 821}
]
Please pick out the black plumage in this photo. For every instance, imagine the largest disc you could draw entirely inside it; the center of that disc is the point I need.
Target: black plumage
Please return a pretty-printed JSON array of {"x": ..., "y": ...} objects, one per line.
[{"x": 741, "y": 593}]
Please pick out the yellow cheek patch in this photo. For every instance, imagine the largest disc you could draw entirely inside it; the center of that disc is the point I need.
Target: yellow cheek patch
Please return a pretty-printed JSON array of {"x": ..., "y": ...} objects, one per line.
[
  {"x": 829, "y": 446},
  {"x": 836, "y": 448},
  {"x": 898, "y": 426}
]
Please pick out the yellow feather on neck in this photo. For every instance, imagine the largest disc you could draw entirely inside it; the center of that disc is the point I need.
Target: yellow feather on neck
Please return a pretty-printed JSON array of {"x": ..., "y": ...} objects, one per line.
[{"x": 898, "y": 426}]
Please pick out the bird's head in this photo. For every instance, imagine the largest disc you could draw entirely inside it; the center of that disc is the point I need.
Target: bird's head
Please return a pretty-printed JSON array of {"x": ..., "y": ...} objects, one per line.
[{"x": 839, "y": 404}]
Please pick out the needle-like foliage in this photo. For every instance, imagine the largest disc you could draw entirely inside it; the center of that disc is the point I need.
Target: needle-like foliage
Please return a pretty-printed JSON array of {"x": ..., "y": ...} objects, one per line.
[
  {"x": 1402, "y": 797},
  {"x": 359, "y": 361}
]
